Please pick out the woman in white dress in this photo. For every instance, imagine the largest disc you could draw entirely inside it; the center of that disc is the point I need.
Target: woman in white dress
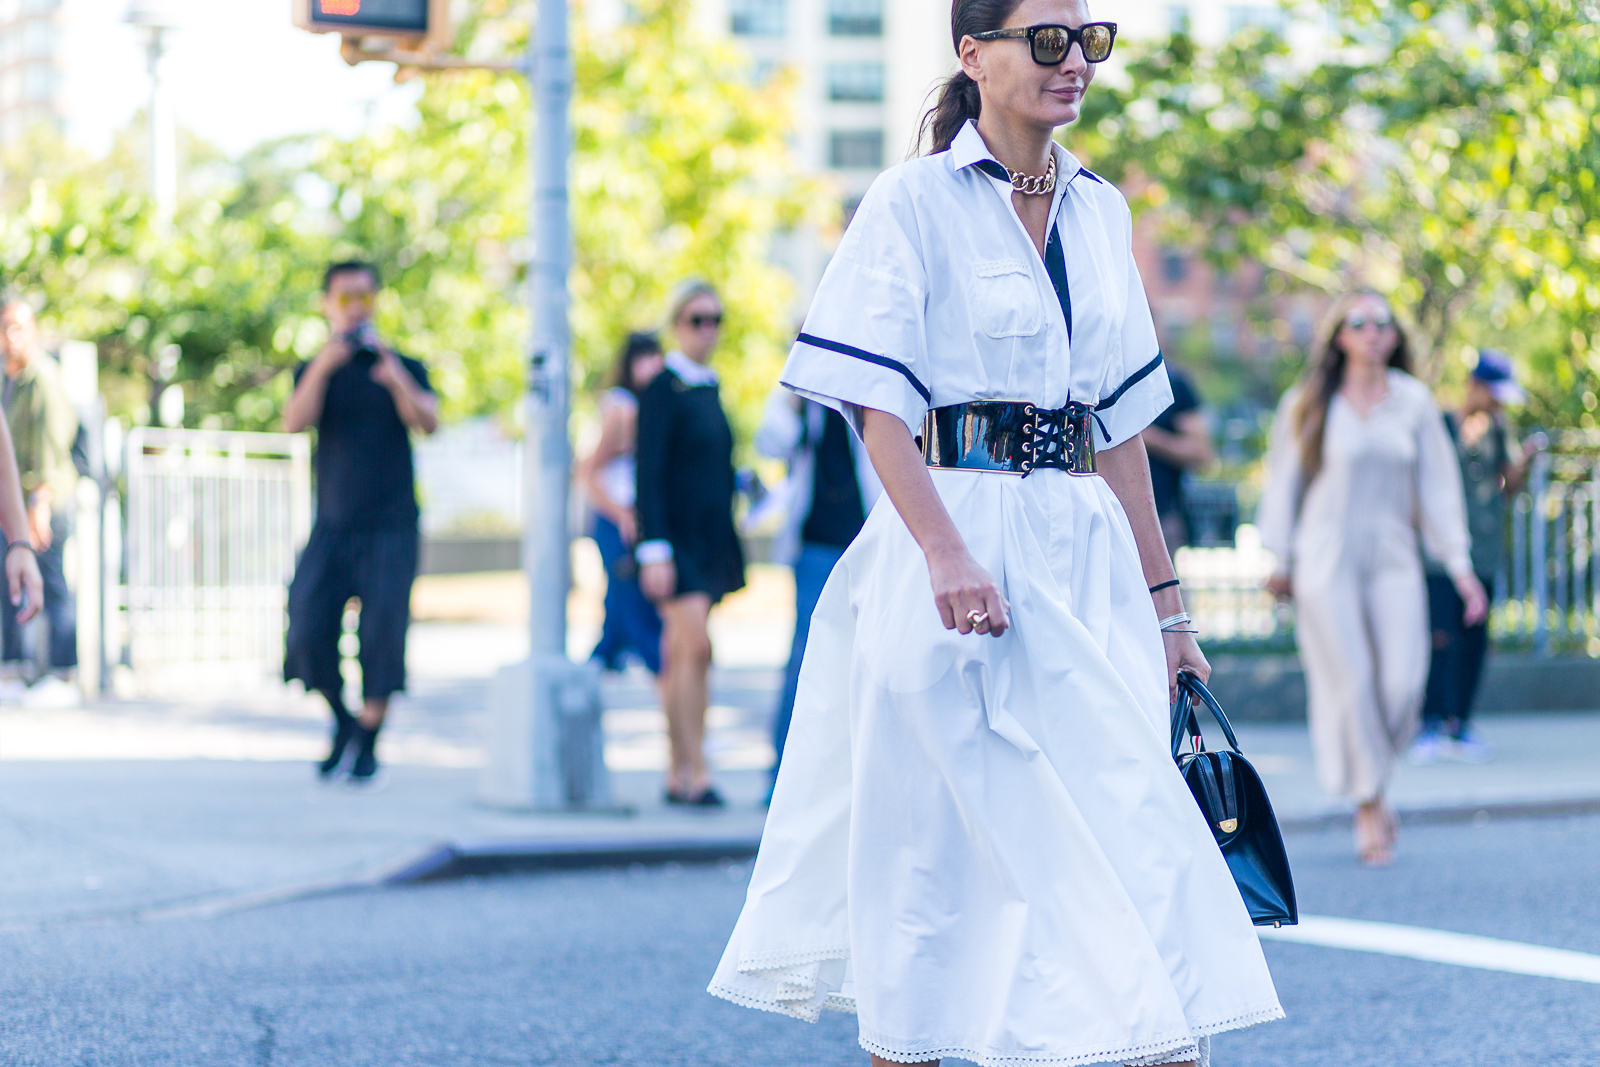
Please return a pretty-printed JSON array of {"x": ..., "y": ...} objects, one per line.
[
  {"x": 978, "y": 840},
  {"x": 1361, "y": 468}
]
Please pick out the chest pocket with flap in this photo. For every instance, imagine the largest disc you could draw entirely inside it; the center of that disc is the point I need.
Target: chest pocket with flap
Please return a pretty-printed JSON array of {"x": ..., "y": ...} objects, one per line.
[{"x": 1005, "y": 298}]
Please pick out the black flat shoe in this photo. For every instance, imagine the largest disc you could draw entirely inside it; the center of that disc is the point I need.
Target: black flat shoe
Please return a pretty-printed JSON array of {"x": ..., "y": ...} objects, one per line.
[
  {"x": 344, "y": 732},
  {"x": 706, "y": 798}
]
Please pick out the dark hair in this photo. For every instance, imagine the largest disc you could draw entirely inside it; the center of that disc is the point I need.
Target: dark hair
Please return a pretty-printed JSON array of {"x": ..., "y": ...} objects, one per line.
[
  {"x": 350, "y": 266},
  {"x": 637, "y": 346},
  {"x": 958, "y": 96},
  {"x": 1325, "y": 374}
]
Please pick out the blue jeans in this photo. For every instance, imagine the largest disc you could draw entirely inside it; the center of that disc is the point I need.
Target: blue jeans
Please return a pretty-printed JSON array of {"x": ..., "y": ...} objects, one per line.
[
  {"x": 632, "y": 623},
  {"x": 59, "y": 606},
  {"x": 811, "y": 572}
]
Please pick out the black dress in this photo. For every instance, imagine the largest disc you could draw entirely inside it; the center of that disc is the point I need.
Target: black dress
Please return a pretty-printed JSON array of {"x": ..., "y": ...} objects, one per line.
[{"x": 684, "y": 460}]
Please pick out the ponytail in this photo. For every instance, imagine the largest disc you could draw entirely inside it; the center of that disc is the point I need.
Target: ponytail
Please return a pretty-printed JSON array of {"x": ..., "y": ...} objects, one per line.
[
  {"x": 958, "y": 102},
  {"x": 959, "y": 99}
]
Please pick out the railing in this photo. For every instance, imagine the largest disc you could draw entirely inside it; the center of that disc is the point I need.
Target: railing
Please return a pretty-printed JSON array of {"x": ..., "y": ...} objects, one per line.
[
  {"x": 1547, "y": 596},
  {"x": 1550, "y": 590},
  {"x": 214, "y": 521}
]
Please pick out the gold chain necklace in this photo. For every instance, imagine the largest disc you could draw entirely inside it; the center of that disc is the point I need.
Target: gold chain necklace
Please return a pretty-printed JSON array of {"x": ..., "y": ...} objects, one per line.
[{"x": 1034, "y": 184}]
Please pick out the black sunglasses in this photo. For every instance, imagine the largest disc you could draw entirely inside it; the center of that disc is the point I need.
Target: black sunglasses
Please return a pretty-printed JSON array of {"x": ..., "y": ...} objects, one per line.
[
  {"x": 700, "y": 322},
  {"x": 1051, "y": 44}
]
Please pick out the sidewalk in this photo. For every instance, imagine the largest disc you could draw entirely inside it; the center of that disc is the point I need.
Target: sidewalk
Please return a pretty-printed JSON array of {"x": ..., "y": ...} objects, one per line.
[{"x": 144, "y": 809}]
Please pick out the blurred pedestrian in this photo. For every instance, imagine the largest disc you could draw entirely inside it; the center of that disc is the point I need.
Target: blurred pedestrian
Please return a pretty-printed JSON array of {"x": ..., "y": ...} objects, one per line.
[
  {"x": 44, "y": 425},
  {"x": 689, "y": 553},
  {"x": 363, "y": 399},
  {"x": 1360, "y": 466},
  {"x": 830, "y": 489},
  {"x": 608, "y": 477},
  {"x": 1494, "y": 466},
  {"x": 1178, "y": 441},
  {"x": 978, "y": 842}
]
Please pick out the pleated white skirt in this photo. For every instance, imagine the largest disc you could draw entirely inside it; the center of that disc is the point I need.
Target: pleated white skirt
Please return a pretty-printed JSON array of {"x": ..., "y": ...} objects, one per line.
[{"x": 981, "y": 845}]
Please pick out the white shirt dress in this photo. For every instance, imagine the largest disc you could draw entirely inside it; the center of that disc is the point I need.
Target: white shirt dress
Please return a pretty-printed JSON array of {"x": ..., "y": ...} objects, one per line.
[{"x": 981, "y": 845}]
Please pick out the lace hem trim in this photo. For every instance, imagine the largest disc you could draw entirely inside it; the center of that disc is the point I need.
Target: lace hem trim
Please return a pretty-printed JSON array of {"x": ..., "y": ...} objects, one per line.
[
  {"x": 774, "y": 961},
  {"x": 1145, "y": 1052}
]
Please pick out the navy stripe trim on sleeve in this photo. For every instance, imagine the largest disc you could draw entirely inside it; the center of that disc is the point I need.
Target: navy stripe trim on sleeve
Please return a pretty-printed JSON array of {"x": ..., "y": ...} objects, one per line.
[
  {"x": 1132, "y": 380},
  {"x": 882, "y": 361},
  {"x": 1087, "y": 173}
]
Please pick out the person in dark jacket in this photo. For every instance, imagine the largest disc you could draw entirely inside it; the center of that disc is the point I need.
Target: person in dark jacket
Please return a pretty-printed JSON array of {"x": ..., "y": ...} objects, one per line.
[
  {"x": 364, "y": 400},
  {"x": 689, "y": 554}
]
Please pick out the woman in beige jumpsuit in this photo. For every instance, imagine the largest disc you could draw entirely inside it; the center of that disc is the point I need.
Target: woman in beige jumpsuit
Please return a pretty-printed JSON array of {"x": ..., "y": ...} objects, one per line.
[{"x": 1360, "y": 466}]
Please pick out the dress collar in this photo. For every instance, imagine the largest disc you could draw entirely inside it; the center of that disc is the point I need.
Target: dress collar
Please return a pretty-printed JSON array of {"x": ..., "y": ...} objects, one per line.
[
  {"x": 969, "y": 150},
  {"x": 690, "y": 372}
]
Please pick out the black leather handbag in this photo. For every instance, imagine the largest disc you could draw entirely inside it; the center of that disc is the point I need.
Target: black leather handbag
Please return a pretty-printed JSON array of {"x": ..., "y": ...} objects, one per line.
[{"x": 1235, "y": 806}]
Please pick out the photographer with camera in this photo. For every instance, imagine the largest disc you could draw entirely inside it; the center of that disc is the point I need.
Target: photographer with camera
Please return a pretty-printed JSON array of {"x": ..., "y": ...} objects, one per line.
[{"x": 364, "y": 400}]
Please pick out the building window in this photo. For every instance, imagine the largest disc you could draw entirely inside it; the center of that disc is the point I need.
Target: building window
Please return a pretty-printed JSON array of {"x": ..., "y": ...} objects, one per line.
[
  {"x": 856, "y": 82},
  {"x": 756, "y": 18},
  {"x": 1174, "y": 266},
  {"x": 1178, "y": 19},
  {"x": 855, "y": 150},
  {"x": 855, "y": 18},
  {"x": 1269, "y": 19}
]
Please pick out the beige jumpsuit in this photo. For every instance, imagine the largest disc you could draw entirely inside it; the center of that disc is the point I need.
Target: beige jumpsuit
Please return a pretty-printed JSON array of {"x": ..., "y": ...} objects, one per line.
[{"x": 1361, "y": 603}]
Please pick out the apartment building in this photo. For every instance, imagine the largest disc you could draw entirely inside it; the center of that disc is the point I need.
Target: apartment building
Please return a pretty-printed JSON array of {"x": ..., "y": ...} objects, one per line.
[{"x": 56, "y": 59}]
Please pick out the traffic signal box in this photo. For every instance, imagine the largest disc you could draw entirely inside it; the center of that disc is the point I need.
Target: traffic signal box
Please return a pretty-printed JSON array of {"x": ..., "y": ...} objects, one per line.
[{"x": 421, "y": 26}]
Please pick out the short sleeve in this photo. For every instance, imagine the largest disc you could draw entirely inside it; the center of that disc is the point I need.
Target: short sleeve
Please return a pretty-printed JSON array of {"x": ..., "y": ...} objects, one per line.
[
  {"x": 419, "y": 373},
  {"x": 863, "y": 344},
  {"x": 1142, "y": 391}
]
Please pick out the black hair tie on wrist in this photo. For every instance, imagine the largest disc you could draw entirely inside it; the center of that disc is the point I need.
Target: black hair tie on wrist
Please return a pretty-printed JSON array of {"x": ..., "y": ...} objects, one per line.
[
  {"x": 20, "y": 544},
  {"x": 1163, "y": 585}
]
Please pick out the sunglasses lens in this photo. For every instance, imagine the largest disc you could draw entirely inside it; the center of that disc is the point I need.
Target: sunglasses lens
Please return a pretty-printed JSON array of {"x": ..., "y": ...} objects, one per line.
[
  {"x": 1096, "y": 43},
  {"x": 1050, "y": 45}
]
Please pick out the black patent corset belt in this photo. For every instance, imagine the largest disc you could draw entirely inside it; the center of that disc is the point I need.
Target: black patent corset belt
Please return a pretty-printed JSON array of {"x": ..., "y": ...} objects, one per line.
[{"x": 1010, "y": 437}]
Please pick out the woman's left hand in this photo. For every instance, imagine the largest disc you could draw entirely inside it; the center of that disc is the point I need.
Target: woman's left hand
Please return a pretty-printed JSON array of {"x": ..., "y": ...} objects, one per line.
[
  {"x": 1475, "y": 602},
  {"x": 1183, "y": 654}
]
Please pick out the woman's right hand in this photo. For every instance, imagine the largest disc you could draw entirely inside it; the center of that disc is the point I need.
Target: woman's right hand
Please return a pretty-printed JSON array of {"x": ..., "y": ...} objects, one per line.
[
  {"x": 1281, "y": 586},
  {"x": 659, "y": 581},
  {"x": 961, "y": 587}
]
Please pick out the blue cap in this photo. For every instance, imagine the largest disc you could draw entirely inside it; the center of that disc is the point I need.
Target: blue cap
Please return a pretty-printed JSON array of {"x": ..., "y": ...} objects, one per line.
[{"x": 1494, "y": 370}]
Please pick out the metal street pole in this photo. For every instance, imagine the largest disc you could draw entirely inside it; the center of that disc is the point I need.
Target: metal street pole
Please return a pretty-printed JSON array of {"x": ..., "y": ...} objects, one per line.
[
  {"x": 156, "y": 19},
  {"x": 548, "y": 453},
  {"x": 546, "y": 745}
]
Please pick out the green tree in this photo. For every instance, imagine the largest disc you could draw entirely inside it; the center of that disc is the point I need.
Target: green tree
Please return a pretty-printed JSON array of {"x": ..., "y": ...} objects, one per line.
[
  {"x": 1443, "y": 152},
  {"x": 679, "y": 168}
]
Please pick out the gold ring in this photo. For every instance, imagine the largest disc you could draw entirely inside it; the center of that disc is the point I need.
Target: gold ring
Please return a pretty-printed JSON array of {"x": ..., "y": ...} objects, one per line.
[{"x": 977, "y": 618}]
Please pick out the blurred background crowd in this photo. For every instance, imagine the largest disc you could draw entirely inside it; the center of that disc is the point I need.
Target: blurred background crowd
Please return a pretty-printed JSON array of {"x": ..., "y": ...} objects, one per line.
[{"x": 1278, "y": 156}]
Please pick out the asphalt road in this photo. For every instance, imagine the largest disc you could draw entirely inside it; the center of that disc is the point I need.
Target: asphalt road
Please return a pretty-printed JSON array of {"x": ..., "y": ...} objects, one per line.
[{"x": 609, "y": 967}]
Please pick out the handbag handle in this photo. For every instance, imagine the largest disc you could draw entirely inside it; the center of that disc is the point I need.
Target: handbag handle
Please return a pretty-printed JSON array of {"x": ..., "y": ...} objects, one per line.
[{"x": 1186, "y": 721}]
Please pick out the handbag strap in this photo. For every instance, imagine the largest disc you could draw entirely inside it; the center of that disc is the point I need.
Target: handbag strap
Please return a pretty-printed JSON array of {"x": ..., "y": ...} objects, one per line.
[{"x": 1185, "y": 720}]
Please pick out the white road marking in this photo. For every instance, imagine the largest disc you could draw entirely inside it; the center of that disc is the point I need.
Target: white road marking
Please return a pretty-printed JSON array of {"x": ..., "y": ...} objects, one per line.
[{"x": 1440, "y": 946}]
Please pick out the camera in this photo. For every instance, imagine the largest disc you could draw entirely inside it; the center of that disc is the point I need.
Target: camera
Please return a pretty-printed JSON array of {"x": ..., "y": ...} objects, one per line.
[{"x": 363, "y": 340}]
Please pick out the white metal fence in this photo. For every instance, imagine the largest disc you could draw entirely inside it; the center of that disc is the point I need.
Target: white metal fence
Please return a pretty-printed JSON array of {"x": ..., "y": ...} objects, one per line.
[
  {"x": 214, "y": 521},
  {"x": 1547, "y": 595}
]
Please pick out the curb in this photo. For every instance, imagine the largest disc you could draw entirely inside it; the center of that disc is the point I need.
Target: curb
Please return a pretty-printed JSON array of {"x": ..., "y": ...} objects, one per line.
[
  {"x": 1453, "y": 813},
  {"x": 448, "y": 861}
]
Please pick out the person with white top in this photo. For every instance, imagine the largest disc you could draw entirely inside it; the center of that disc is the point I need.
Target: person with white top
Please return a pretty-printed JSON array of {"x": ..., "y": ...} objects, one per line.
[
  {"x": 979, "y": 841},
  {"x": 689, "y": 553},
  {"x": 1360, "y": 470},
  {"x": 607, "y": 477}
]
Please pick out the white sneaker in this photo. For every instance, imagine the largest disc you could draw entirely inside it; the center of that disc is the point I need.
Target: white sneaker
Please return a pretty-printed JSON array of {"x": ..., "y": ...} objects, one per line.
[
  {"x": 52, "y": 692},
  {"x": 12, "y": 690},
  {"x": 1427, "y": 749}
]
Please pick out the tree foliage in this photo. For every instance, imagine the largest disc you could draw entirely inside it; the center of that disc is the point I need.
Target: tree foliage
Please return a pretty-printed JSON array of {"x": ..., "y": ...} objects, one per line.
[
  {"x": 680, "y": 168},
  {"x": 1443, "y": 152}
]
